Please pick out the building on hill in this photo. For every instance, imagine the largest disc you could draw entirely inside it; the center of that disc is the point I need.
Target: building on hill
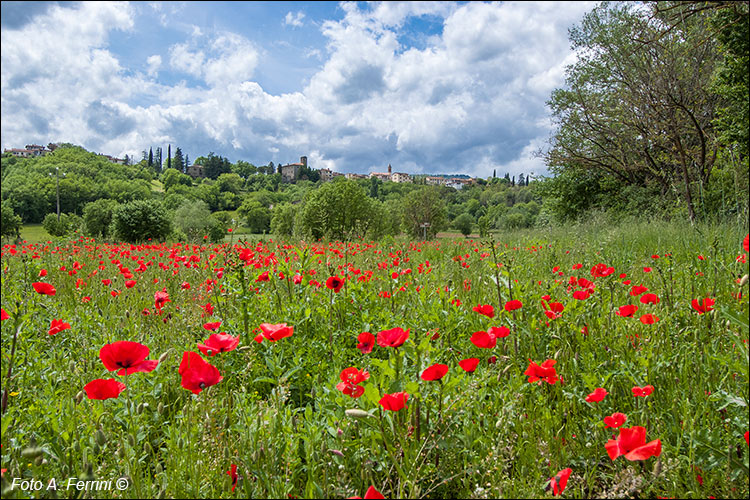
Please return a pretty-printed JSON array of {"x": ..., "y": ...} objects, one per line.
[
  {"x": 326, "y": 174},
  {"x": 354, "y": 177},
  {"x": 383, "y": 176},
  {"x": 195, "y": 171},
  {"x": 400, "y": 177},
  {"x": 290, "y": 171},
  {"x": 112, "y": 159},
  {"x": 31, "y": 150}
]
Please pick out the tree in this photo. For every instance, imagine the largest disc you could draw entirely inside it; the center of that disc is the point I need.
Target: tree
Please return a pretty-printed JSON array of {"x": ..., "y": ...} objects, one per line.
[
  {"x": 172, "y": 177},
  {"x": 151, "y": 157},
  {"x": 169, "y": 156},
  {"x": 257, "y": 216},
  {"x": 214, "y": 166},
  {"x": 141, "y": 220},
  {"x": 229, "y": 183},
  {"x": 424, "y": 206},
  {"x": 178, "y": 163},
  {"x": 10, "y": 225},
  {"x": 97, "y": 216},
  {"x": 187, "y": 163},
  {"x": 340, "y": 209},
  {"x": 194, "y": 220},
  {"x": 244, "y": 169},
  {"x": 283, "y": 218},
  {"x": 464, "y": 223}
]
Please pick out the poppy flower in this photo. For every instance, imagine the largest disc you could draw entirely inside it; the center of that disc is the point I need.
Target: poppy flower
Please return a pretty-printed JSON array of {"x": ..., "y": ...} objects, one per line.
[
  {"x": 127, "y": 357},
  {"x": 272, "y": 333},
  {"x": 637, "y": 290},
  {"x": 185, "y": 285},
  {"x": 161, "y": 298},
  {"x": 263, "y": 277},
  {"x": 703, "y": 306},
  {"x": 559, "y": 482},
  {"x": 214, "y": 327},
  {"x": 394, "y": 402},
  {"x": 545, "y": 371},
  {"x": 747, "y": 433},
  {"x": 649, "y": 319},
  {"x": 350, "y": 379},
  {"x": 601, "y": 270},
  {"x": 42, "y": 273},
  {"x": 394, "y": 337},
  {"x": 632, "y": 444},
  {"x": 106, "y": 282},
  {"x": 627, "y": 311},
  {"x": 484, "y": 340},
  {"x": 469, "y": 364},
  {"x": 746, "y": 243},
  {"x": 581, "y": 294},
  {"x": 3, "y": 315},
  {"x": 642, "y": 392},
  {"x": 596, "y": 396},
  {"x": 512, "y": 305},
  {"x": 486, "y": 310},
  {"x": 44, "y": 288},
  {"x": 615, "y": 420},
  {"x": 57, "y": 326},
  {"x": 366, "y": 341},
  {"x": 129, "y": 283},
  {"x": 334, "y": 283},
  {"x": 103, "y": 388},
  {"x": 219, "y": 342},
  {"x": 372, "y": 493},
  {"x": 434, "y": 372},
  {"x": 649, "y": 298},
  {"x": 553, "y": 309},
  {"x": 196, "y": 373},
  {"x": 233, "y": 474}
]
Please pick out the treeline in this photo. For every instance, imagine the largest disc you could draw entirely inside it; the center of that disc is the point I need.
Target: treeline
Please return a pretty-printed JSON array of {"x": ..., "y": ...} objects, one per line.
[
  {"x": 653, "y": 118},
  {"x": 133, "y": 202}
]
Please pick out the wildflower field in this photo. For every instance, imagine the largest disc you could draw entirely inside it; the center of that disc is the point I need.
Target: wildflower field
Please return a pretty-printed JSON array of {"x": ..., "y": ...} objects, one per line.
[{"x": 585, "y": 362}]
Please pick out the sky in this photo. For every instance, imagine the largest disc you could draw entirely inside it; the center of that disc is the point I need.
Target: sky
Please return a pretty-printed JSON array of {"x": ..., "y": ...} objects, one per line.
[{"x": 427, "y": 87}]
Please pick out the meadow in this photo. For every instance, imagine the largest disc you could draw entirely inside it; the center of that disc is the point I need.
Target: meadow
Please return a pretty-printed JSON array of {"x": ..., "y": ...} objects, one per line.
[{"x": 584, "y": 361}]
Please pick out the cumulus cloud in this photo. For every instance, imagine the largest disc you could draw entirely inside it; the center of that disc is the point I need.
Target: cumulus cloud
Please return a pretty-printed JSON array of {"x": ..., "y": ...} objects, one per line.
[
  {"x": 471, "y": 100},
  {"x": 294, "y": 19}
]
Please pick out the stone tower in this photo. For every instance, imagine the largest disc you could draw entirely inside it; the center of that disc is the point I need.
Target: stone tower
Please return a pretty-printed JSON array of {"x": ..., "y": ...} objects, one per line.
[{"x": 389, "y": 169}]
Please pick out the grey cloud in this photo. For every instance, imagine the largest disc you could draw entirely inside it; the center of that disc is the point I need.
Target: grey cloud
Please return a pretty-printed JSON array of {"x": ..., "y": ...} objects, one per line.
[
  {"x": 362, "y": 83},
  {"x": 107, "y": 121},
  {"x": 15, "y": 15}
]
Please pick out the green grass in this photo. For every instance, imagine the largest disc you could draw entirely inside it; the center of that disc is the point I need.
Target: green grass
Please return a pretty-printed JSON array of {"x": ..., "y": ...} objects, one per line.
[
  {"x": 34, "y": 233},
  {"x": 278, "y": 415}
]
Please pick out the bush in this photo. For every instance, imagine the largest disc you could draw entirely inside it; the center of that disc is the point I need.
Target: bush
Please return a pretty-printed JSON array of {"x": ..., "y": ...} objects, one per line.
[
  {"x": 256, "y": 216},
  {"x": 55, "y": 226},
  {"x": 464, "y": 223},
  {"x": 11, "y": 223},
  {"x": 97, "y": 216},
  {"x": 282, "y": 220},
  {"x": 141, "y": 220},
  {"x": 194, "y": 220}
]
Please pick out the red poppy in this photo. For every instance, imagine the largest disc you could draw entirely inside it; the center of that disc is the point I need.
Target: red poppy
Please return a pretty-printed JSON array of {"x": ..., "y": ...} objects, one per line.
[
  {"x": 272, "y": 333},
  {"x": 596, "y": 396},
  {"x": 209, "y": 309},
  {"x": 196, "y": 373},
  {"x": 649, "y": 298},
  {"x": 559, "y": 482},
  {"x": 394, "y": 337},
  {"x": 219, "y": 342},
  {"x": 747, "y": 433},
  {"x": 86, "y": 299},
  {"x": 627, "y": 311},
  {"x": 185, "y": 285},
  {"x": 103, "y": 388},
  {"x": 615, "y": 420},
  {"x": 486, "y": 310},
  {"x": 3, "y": 315},
  {"x": 334, "y": 283},
  {"x": 350, "y": 380},
  {"x": 366, "y": 342},
  {"x": 263, "y": 277},
  {"x": 434, "y": 372},
  {"x": 127, "y": 357},
  {"x": 553, "y": 309},
  {"x": 637, "y": 290},
  {"x": 632, "y": 444},
  {"x": 44, "y": 288},
  {"x": 746, "y": 243},
  {"x": 297, "y": 279},
  {"x": 646, "y": 269},
  {"x": 581, "y": 294},
  {"x": 233, "y": 474},
  {"x": 42, "y": 273},
  {"x": 601, "y": 270},
  {"x": 484, "y": 340},
  {"x": 372, "y": 493},
  {"x": 512, "y": 305},
  {"x": 545, "y": 371},
  {"x": 214, "y": 327},
  {"x": 469, "y": 364},
  {"x": 642, "y": 392},
  {"x": 57, "y": 326},
  {"x": 161, "y": 298},
  {"x": 129, "y": 283},
  {"x": 106, "y": 282},
  {"x": 394, "y": 402},
  {"x": 649, "y": 319},
  {"x": 703, "y": 306}
]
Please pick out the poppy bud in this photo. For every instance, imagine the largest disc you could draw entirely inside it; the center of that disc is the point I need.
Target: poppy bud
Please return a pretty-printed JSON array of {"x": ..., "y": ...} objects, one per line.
[
  {"x": 131, "y": 440},
  {"x": 39, "y": 460},
  {"x": 158, "y": 469},
  {"x": 88, "y": 472},
  {"x": 743, "y": 281},
  {"x": 77, "y": 447},
  {"x": 180, "y": 443},
  {"x": 147, "y": 448},
  {"x": 31, "y": 452},
  {"x": 96, "y": 449},
  {"x": 245, "y": 348},
  {"x": 100, "y": 437},
  {"x": 79, "y": 397},
  {"x": 121, "y": 452},
  {"x": 163, "y": 357},
  {"x": 139, "y": 408},
  {"x": 354, "y": 413}
]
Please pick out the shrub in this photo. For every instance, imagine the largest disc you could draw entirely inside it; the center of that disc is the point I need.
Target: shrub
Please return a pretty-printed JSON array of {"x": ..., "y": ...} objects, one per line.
[
  {"x": 11, "y": 223},
  {"x": 194, "y": 220},
  {"x": 141, "y": 220},
  {"x": 97, "y": 216}
]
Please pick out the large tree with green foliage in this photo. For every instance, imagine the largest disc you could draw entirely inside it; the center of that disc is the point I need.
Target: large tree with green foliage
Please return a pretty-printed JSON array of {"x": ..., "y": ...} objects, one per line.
[
  {"x": 424, "y": 206},
  {"x": 141, "y": 220},
  {"x": 339, "y": 210}
]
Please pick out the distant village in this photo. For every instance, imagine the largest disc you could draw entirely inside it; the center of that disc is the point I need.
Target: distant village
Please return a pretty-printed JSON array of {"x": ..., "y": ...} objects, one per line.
[{"x": 290, "y": 172}]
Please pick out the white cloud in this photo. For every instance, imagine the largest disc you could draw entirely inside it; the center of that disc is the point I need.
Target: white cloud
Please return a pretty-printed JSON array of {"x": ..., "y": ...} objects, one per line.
[
  {"x": 294, "y": 19},
  {"x": 154, "y": 63}
]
